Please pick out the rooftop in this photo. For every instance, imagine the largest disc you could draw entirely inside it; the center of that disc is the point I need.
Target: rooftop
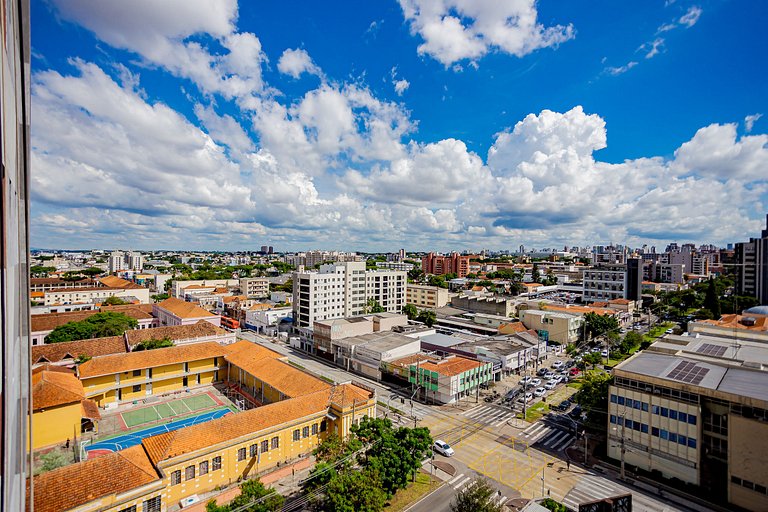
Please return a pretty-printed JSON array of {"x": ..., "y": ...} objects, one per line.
[
  {"x": 49, "y": 321},
  {"x": 287, "y": 379},
  {"x": 118, "y": 363},
  {"x": 733, "y": 321},
  {"x": 56, "y": 352},
  {"x": 451, "y": 366},
  {"x": 175, "y": 332},
  {"x": 114, "y": 473},
  {"x": 54, "y": 386},
  {"x": 117, "y": 282},
  {"x": 183, "y": 309}
]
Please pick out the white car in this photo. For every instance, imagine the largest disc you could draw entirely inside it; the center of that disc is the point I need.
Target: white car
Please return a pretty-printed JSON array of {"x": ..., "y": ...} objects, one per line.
[
  {"x": 526, "y": 398},
  {"x": 539, "y": 392},
  {"x": 557, "y": 365},
  {"x": 443, "y": 448},
  {"x": 526, "y": 379},
  {"x": 551, "y": 384},
  {"x": 604, "y": 353},
  {"x": 549, "y": 375},
  {"x": 534, "y": 383}
]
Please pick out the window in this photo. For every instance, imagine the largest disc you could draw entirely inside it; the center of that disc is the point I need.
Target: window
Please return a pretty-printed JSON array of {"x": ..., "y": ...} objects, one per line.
[
  {"x": 323, "y": 426},
  {"x": 305, "y": 432},
  {"x": 672, "y": 414},
  {"x": 203, "y": 468},
  {"x": 132, "y": 508},
  {"x": 655, "y": 409},
  {"x": 644, "y": 428},
  {"x": 628, "y": 423},
  {"x": 253, "y": 450},
  {"x": 275, "y": 443},
  {"x": 176, "y": 477},
  {"x": 664, "y": 434},
  {"x": 645, "y": 407},
  {"x": 655, "y": 431},
  {"x": 665, "y": 412},
  {"x": 151, "y": 505},
  {"x": 265, "y": 446},
  {"x": 691, "y": 442},
  {"x": 620, "y": 400},
  {"x": 137, "y": 373},
  {"x": 189, "y": 472},
  {"x": 636, "y": 404},
  {"x": 137, "y": 388},
  {"x": 613, "y": 419},
  {"x": 241, "y": 454},
  {"x": 314, "y": 429},
  {"x": 691, "y": 419},
  {"x": 216, "y": 463},
  {"x": 613, "y": 399},
  {"x": 682, "y": 417},
  {"x": 296, "y": 435},
  {"x": 672, "y": 437},
  {"x": 681, "y": 439}
]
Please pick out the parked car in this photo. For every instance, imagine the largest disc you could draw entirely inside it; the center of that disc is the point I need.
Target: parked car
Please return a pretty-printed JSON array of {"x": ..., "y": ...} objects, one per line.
[
  {"x": 443, "y": 448},
  {"x": 569, "y": 363},
  {"x": 558, "y": 379},
  {"x": 550, "y": 384},
  {"x": 549, "y": 375},
  {"x": 535, "y": 383},
  {"x": 539, "y": 392},
  {"x": 574, "y": 371},
  {"x": 575, "y": 413},
  {"x": 541, "y": 372},
  {"x": 526, "y": 379},
  {"x": 557, "y": 365},
  {"x": 525, "y": 398},
  {"x": 563, "y": 406},
  {"x": 669, "y": 331}
]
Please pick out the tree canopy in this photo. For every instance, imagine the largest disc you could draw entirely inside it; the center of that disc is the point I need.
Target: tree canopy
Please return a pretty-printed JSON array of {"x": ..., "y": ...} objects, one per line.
[
  {"x": 269, "y": 500},
  {"x": 712, "y": 300},
  {"x": 599, "y": 325},
  {"x": 478, "y": 496},
  {"x": 411, "y": 311},
  {"x": 373, "y": 306},
  {"x": 427, "y": 317},
  {"x": 593, "y": 395},
  {"x": 97, "y": 326},
  {"x": 153, "y": 344},
  {"x": 114, "y": 301}
]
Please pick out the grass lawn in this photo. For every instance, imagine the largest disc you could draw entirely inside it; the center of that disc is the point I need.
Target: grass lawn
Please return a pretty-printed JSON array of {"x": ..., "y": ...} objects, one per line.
[
  {"x": 536, "y": 411},
  {"x": 424, "y": 484},
  {"x": 575, "y": 385},
  {"x": 658, "y": 331}
]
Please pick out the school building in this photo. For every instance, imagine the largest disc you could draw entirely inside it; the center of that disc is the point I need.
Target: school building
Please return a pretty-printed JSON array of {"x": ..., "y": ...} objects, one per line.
[{"x": 300, "y": 412}]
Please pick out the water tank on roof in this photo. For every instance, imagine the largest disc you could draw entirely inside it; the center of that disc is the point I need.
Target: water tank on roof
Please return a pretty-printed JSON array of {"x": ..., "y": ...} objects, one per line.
[{"x": 749, "y": 321}]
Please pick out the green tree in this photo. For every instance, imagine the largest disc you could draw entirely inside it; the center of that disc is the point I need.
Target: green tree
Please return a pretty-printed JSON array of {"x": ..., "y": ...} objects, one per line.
[
  {"x": 114, "y": 301},
  {"x": 438, "y": 281},
  {"x": 52, "y": 460},
  {"x": 593, "y": 395},
  {"x": 267, "y": 500},
  {"x": 478, "y": 496},
  {"x": 41, "y": 271},
  {"x": 427, "y": 317},
  {"x": 535, "y": 274},
  {"x": 411, "y": 311},
  {"x": 373, "y": 306},
  {"x": 712, "y": 300},
  {"x": 554, "y": 506},
  {"x": 394, "y": 454},
  {"x": 92, "y": 271},
  {"x": 159, "y": 297},
  {"x": 600, "y": 325},
  {"x": 153, "y": 343},
  {"x": 103, "y": 324},
  {"x": 355, "y": 491}
]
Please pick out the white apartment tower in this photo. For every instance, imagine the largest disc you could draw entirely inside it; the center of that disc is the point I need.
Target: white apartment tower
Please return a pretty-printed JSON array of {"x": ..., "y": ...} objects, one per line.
[
  {"x": 116, "y": 261},
  {"x": 340, "y": 290}
]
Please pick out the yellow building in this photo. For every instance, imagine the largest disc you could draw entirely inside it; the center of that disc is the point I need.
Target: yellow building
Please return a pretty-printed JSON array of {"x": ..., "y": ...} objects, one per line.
[
  {"x": 119, "y": 378},
  {"x": 59, "y": 408},
  {"x": 301, "y": 411}
]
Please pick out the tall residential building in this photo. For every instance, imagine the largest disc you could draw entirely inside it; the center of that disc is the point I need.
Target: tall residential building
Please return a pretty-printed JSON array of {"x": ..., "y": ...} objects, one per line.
[
  {"x": 254, "y": 287},
  {"x": 752, "y": 265},
  {"x": 451, "y": 264},
  {"x": 341, "y": 290},
  {"x": 119, "y": 260},
  {"x": 116, "y": 261},
  {"x": 135, "y": 261},
  {"x": 14, "y": 261},
  {"x": 607, "y": 282}
]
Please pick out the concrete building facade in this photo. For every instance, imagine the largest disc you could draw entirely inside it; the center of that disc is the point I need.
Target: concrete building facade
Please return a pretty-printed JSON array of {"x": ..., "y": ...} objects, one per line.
[
  {"x": 452, "y": 264},
  {"x": 425, "y": 296}
]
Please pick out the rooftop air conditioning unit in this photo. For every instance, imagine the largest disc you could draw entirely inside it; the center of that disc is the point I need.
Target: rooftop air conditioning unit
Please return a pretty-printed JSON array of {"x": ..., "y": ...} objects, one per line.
[{"x": 748, "y": 321}]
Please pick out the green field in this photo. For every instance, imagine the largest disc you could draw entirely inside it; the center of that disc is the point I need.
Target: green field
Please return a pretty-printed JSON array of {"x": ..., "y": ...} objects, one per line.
[{"x": 166, "y": 410}]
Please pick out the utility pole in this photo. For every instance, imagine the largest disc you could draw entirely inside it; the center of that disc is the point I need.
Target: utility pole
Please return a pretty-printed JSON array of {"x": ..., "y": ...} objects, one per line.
[{"x": 585, "y": 447}]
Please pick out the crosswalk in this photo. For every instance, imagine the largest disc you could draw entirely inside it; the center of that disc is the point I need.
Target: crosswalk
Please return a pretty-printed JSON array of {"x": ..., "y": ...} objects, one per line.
[
  {"x": 489, "y": 414},
  {"x": 546, "y": 436},
  {"x": 461, "y": 480},
  {"x": 592, "y": 487}
]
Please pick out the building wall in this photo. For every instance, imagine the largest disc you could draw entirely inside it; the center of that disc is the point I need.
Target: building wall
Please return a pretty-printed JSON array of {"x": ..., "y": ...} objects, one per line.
[
  {"x": 135, "y": 497},
  {"x": 430, "y": 297},
  {"x": 387, "y": 287},
  {"x": 559, "y": 329},
  {"x": 500, "y": 307},
  {"x": 53, "y": 426},
  {"x": 748, "y": 463},
  {"x": 655, "y": 444}
]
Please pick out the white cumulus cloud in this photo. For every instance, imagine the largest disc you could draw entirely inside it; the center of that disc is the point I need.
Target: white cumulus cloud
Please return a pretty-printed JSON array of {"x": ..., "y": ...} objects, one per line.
[
  {"x": 690, "y": 18},
  {"x": 750, "y": 120},
  {"x": 295, "y": 62}
]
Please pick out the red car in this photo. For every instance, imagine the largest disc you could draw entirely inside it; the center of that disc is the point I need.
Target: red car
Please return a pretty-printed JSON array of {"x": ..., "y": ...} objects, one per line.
[{"x": 574, "y": 371}]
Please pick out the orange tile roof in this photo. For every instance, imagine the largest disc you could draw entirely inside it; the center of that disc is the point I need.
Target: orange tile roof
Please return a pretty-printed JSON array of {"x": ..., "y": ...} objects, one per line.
[
  {"x": 261, "y": 307},
  {"x": 37, "y": 295},
  {"x": 531, "y": 285},
  {"x": 512, "y": 328},
  {"x": 409, "y": 360},
  {"x": 231, "y": 427},
  {"x": 118, "y": 363},
  {"x": 184, "y": 309},
  {"x": 89, "y": 409},
  {"x": 77, "y": 484},
  {"x": 257, "y": 350},
  {"x": 174, "y": 332},
  {"x": 452, "y": 365},
  {"x": 117, "y": 282},
  {"x": 285, "y": 378},
  {"x": 733, "y": 321},
  {"x": 55, "y": 352},
  {"x": 54, "y": 387},
  {"x": 619, "y": 301}
]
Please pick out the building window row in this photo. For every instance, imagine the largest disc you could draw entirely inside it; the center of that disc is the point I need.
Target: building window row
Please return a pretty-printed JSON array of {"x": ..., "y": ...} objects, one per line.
[
  {"x": 661, "y": 433},
  {"x": 654, "y": 409},
  {"x": 749, "y": 485},
  {"x": 658, "y": 390},
  {"x": 189, "y": 471}
]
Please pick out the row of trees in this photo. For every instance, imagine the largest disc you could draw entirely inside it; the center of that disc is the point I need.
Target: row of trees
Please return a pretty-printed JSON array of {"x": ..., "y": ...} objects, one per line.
[
  {"x": 703, "y": 300},
  {"x": 96, "y": 326},
  {"x": 365, "y": 471}
]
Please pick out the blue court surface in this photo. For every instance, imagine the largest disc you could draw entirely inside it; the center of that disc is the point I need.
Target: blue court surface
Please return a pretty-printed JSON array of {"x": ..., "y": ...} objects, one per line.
[{"x": 127, "y": 440}]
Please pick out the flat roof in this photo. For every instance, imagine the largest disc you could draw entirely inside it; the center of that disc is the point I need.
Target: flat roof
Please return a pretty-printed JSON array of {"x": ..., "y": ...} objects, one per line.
[{"x": 442, "y": 340}]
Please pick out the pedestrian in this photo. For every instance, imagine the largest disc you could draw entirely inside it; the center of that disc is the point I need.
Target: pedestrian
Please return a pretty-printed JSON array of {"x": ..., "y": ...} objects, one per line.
[
  {"x": 67, "y": 444},
  {"x": 568, "y": 465}
]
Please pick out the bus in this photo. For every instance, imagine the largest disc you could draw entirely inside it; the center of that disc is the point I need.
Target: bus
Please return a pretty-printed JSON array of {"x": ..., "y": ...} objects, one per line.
[{"x": 229, "y": 323}]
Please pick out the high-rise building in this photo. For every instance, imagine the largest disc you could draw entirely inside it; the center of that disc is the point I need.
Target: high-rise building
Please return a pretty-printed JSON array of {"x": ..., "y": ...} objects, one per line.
[
  {"x": 14, "y": 278},
  {"x": 752, "y": 265},
  {"x": 116, "y": 261},
  {"x": 439, "y": 265},
  {"x": 618, "y": 281},
  {"x": 341, "y": 290}
]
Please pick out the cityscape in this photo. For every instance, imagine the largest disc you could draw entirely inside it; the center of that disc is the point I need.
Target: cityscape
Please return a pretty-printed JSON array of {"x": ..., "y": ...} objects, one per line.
[{"x": 383, "y": 258}]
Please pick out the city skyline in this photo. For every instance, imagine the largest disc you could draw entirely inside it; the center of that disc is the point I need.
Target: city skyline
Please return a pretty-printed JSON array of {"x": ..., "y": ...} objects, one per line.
[{"x": 218, "y": 126}]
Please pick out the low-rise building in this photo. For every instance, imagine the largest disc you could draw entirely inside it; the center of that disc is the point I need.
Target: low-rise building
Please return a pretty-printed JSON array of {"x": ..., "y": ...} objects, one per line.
[
  {"x": 554, "y": 326},
  {"x": 691, "y": 407},
  {"x": 734, "y": 327},
  {"x": 447, "y": 380},
  {"x": 367, "y": 353},
  {"x": 255, "y": 287},
  {"x": 489, "y": 305},
  {"x": 42, "y": 325},
  {"x": 424, "y": 296},
  {"x": 265, "y": 319},
  {"x": 173, "y": 311}
]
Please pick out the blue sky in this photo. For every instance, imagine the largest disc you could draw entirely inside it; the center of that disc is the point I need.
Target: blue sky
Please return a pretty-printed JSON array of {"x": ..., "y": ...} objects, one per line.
[{"x": 202, "y": 124}]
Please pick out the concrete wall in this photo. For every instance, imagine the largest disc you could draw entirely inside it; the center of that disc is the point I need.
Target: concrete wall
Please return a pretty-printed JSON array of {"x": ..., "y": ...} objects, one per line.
[
  {"x": 748, "y": 462},
  {"x": 53, "y": 426}
]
